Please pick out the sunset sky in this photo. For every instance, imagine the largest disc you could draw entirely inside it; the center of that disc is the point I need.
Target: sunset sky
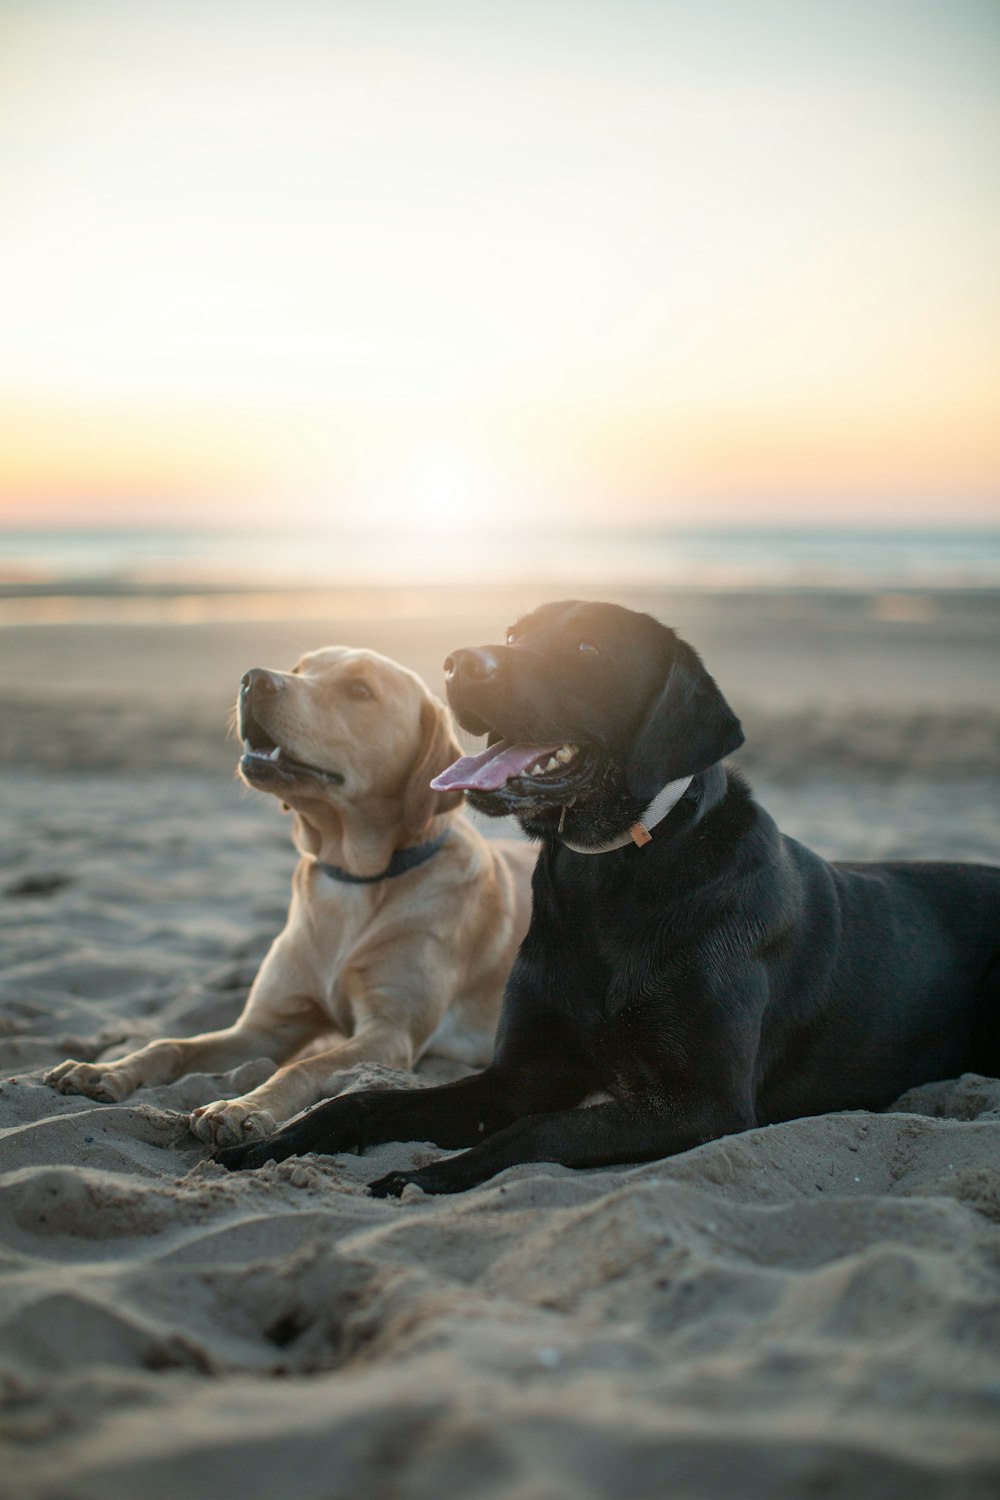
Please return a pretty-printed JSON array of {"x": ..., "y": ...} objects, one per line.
[{"x": 678, "y": 261}]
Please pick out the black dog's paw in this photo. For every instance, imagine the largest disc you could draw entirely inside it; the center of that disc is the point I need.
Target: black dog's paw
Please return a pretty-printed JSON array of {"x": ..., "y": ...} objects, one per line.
[
  {"x": 328, "y": 1129},
  {"x": 393, "y": 1183},
  {"x": 253, "y": 1155},
  {"x": 447, "y": 1176}
]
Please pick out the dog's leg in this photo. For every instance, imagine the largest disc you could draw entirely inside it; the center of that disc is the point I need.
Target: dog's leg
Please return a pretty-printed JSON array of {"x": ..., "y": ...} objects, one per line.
[
  {"x": 601, "y": 1136},
  {"x": 229, "y": 1122},
  {"x": 396, "y": 1001},
  {"x": 276, "y": 1022},
  {"x": 696, "y": 1086},
  {"x": 452, "y": 1115},
  {"x": 169, "y": 1059}
]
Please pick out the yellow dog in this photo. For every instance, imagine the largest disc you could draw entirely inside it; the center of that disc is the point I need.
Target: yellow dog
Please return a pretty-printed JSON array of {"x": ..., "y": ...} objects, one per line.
[{"x": 404, "y": 920}]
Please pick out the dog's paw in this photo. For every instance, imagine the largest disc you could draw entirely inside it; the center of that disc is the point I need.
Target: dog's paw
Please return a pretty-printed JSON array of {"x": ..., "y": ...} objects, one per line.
[
  {"x": 102, "y": 1081},
  {"x": 332, "y": 1127},
  {"x": 231, "y": 1122},
  {"x": 392, "y": 1185},
  {"x": 254, "y": 1154},
  {"x": 433, "y": 1179},
  {"x": 450, "y": 1174}
]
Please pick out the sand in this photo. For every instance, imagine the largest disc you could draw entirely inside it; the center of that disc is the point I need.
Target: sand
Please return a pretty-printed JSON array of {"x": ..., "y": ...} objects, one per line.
[{"x": 811, "y": 1309}]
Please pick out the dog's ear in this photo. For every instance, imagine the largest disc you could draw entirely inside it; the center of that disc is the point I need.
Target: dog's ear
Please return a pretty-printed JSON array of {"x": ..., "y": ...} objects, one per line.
[
  {"x": 687, "y": 728},
  {"x": 438, "y": 749}
]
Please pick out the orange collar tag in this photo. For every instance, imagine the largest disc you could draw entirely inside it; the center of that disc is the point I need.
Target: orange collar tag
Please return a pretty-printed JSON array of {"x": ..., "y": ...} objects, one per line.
[{"x": 667, "y": 797}]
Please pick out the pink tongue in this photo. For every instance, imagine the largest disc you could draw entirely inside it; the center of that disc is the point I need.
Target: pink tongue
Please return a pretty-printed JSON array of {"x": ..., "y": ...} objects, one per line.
[{"x": 491, "y": 768}]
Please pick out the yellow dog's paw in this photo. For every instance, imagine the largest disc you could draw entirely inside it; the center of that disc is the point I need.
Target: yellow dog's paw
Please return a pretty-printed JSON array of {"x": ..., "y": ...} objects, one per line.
[
  {"x": 103, "y": 1081},
  {"x": 231, "y": 1122}
]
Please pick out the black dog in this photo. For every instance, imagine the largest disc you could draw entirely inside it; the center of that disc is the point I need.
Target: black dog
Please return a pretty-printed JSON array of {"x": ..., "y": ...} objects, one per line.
[{"x": 713, "y": 977}]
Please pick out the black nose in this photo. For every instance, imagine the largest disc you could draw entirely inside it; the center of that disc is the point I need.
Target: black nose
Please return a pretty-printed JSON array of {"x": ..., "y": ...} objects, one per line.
[
  {"x": 471, "y": 664},
  {"x": 260, "y": 681}
]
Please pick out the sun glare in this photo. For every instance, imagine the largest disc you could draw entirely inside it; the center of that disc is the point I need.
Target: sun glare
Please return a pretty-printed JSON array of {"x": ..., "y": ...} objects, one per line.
[
  {"x": 440, "y": 494},
  {"x": 440, "y": 489}
]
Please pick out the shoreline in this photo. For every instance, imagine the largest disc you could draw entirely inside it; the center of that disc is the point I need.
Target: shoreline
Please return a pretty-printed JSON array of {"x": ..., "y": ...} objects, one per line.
[{"x": 122, "y": 598}]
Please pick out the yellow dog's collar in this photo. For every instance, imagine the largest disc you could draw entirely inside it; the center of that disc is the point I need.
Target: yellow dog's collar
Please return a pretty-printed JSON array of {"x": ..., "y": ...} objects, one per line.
[{"x": 401, "y": 861}]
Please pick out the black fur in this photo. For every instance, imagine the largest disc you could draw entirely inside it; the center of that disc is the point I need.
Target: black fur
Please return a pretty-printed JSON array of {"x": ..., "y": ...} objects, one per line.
[{"x": 718, "y": 978}]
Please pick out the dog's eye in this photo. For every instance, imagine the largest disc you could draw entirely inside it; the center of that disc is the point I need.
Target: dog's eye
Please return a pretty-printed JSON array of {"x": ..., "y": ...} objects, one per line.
[
  {"x": 359, "y": 689},
  {"x": 511, "y": 637},
  {"x": 589, "y": 649}
]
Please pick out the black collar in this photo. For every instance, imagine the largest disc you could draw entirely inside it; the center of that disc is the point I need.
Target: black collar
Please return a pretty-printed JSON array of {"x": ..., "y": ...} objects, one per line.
[{"x": 401, "y": 861}]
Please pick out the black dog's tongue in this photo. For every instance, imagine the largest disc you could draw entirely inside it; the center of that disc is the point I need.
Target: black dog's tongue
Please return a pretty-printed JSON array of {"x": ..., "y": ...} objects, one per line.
[{"x": 491, "y": 769}]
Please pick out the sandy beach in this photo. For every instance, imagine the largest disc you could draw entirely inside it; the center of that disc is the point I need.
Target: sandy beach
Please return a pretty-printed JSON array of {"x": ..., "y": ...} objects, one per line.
[{"x": 809, "y": 1309}]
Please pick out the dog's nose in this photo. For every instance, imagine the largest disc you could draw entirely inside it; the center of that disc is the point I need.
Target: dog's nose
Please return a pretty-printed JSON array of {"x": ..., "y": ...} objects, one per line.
[
  {"x": 260, "y": 681},
  {"x": 471, "y": 664}
]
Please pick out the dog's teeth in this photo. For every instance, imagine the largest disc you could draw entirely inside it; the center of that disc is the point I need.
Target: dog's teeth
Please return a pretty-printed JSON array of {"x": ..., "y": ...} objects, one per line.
[
  {"x": 553, "y": 764},
  {"x": 537, "y": 769},
  {"x": 565, "y": 753},
  {"x": 249, "y": 749}
]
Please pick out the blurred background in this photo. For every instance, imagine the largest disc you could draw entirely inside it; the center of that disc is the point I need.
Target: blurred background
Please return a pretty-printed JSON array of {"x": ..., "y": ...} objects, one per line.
[{"x": 384, "y": 321}]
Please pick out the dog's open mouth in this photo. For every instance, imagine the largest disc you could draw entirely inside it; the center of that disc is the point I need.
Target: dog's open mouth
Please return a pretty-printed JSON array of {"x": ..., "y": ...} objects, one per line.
[
  {"x": 264, "y": 759},
  {"x": 518, "y": 773}
]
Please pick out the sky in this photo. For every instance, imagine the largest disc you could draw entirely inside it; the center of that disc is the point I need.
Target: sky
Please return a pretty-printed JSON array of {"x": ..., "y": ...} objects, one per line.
[{"x": 472, "y": 264}]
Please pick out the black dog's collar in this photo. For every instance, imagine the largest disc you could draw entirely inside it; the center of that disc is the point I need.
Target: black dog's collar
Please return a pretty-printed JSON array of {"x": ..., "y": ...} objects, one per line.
[
  {"x": 401, "y": 861},
  {"x": 641, "y": 832}
]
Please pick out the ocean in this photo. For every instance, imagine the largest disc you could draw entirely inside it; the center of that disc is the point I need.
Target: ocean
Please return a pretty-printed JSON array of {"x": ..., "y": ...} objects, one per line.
[{"x": 136, "y": 560}]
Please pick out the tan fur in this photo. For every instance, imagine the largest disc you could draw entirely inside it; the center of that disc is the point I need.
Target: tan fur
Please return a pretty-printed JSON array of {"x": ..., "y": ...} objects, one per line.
[{"x": 360, "y": 973}]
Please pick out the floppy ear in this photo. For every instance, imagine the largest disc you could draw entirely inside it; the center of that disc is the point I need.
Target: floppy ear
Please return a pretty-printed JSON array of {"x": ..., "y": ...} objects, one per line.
[
  {"x": 687, "y": 728},
  {"x": 438, "y": 748}
]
